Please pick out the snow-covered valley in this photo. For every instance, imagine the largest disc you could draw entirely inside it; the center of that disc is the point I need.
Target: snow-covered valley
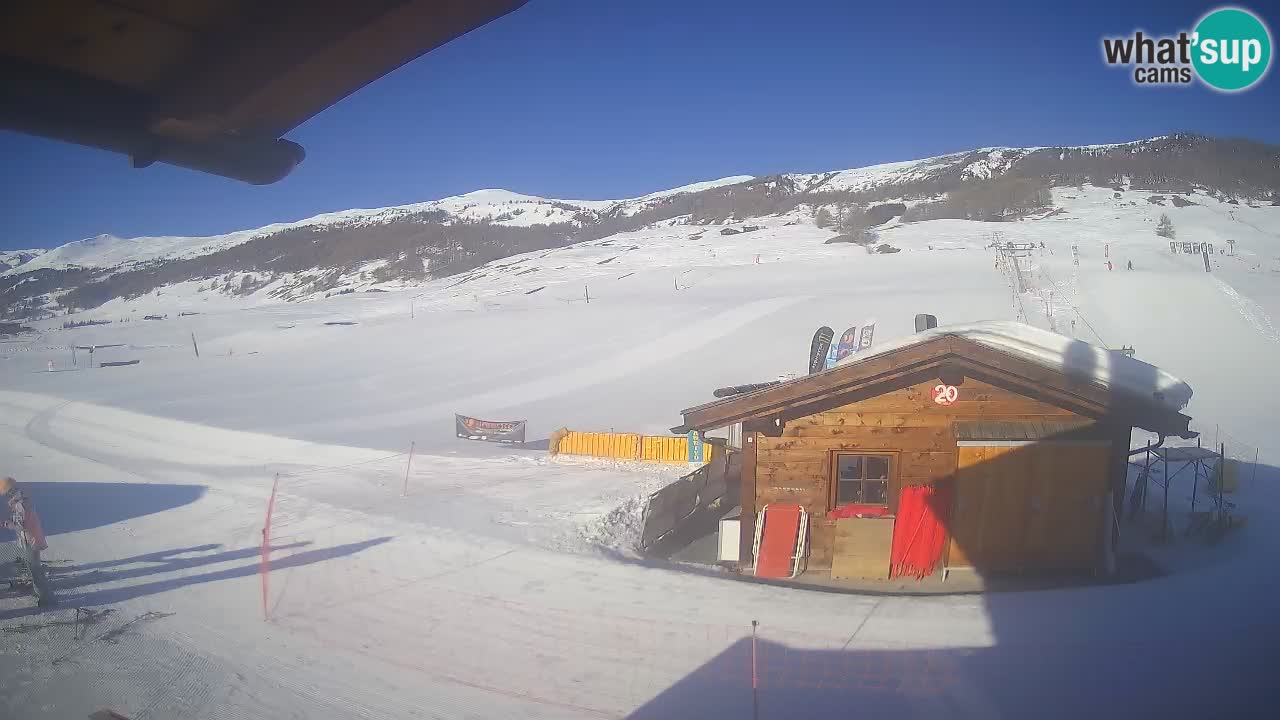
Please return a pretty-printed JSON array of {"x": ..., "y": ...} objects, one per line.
[{"x": 490, "y": 588}]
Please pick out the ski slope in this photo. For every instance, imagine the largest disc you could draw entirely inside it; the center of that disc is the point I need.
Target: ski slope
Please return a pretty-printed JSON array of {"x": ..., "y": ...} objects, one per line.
[{"x": 499, "y": 584}]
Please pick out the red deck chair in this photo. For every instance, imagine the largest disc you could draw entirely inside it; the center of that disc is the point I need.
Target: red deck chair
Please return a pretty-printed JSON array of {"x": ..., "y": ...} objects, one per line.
[{"x": 782, "y": 533}]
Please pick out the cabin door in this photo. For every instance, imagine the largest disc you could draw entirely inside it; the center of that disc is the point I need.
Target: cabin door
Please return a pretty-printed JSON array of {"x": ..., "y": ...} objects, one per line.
[
  {"x": 1027, "y": 506},
  {"x": 989, "y": 518}
]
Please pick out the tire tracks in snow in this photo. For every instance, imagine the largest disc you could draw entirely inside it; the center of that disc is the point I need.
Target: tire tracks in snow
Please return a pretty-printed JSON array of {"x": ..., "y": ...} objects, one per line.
[{"x": 1251, "y": 311}]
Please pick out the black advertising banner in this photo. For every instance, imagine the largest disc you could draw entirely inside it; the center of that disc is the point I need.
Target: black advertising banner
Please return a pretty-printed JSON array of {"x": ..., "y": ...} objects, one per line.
[
  {"x": 489, "y": 430},
  {"x": 819, "y": 347}
]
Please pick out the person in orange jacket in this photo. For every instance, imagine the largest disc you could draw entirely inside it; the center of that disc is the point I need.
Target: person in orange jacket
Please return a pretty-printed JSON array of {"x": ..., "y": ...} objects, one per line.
[{"x": 21, "y": 518}]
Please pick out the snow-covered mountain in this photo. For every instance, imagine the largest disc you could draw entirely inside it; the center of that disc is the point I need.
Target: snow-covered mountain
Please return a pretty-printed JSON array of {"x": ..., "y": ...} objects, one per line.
[
  {"x": 13, "y": 258},
  {"x": 504, "y": 207},
  {"x": 500, "y": 207},
  {"x": 360, "y": 248}
]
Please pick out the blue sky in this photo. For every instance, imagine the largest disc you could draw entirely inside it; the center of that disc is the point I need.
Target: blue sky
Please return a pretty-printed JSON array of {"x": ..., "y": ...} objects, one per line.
[{"x": 591, "y": 99}]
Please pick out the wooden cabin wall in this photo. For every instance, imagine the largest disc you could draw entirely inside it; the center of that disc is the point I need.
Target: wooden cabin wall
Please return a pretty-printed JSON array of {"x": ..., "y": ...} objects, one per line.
[{"x": 796, "y": 467}]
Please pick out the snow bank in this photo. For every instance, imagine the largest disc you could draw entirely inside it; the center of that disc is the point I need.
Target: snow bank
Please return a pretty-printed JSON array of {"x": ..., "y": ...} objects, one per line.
[
  {"x": 1058, "y": 352},
  {"x": 620, "y": 530},
  {"x": 613, "y": 520}
]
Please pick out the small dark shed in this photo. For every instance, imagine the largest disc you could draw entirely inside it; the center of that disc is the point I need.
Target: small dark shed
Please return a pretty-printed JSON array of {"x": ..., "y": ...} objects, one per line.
[{"x": 986, "y": 455}]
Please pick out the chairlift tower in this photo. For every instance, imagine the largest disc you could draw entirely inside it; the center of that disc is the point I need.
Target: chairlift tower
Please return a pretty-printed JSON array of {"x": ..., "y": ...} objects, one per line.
[{"x": 1017, "y": 255}]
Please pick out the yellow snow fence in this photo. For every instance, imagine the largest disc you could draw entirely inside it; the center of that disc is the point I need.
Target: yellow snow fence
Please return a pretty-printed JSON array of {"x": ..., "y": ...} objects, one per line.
[{"x": 624, "y": 446}]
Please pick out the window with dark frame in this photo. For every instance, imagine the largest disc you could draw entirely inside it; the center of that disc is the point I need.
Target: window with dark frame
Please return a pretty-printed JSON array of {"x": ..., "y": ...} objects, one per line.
[{"x": 861, "y": 479}]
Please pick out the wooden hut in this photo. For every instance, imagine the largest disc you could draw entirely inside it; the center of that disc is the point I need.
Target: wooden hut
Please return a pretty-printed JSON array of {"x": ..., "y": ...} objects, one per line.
[{"x": 952, "y": 449}]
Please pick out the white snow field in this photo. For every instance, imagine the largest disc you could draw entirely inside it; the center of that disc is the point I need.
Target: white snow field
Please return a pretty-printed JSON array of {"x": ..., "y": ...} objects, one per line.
[{"x": 501, "y": 584}]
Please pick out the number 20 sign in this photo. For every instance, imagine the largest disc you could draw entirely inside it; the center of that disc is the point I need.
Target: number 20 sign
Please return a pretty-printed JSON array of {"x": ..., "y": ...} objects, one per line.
[{"x": 945, "y": 394}]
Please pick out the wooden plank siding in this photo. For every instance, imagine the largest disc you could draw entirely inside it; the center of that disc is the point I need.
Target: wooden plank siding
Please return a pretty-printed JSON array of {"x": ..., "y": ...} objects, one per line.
[
  {"x": 1029, "y": 506},
  {"x": 905, "y": 423},
  {"x": 989, "y": 524}
]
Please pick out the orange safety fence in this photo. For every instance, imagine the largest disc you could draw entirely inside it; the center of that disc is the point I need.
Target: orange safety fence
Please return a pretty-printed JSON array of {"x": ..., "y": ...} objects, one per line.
[{"x": 625, "y": 446}]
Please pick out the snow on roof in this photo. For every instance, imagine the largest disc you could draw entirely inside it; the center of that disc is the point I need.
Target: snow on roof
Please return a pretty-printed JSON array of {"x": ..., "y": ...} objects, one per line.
[{"x": 1058, "y": 352}]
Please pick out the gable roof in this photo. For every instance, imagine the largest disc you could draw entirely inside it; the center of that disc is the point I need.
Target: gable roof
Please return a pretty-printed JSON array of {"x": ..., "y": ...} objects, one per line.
[
  {"x": 208, "y": 84},
  {"x": 927, "y": 355},
  {"x": 1058, "y": 352}
]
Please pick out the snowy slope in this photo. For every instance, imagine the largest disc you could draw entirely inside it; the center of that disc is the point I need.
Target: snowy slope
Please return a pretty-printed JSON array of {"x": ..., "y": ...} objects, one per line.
[
  {"x": 693, "y": 187},
  {"x": 479, "y": 592},
  {"x": 499, "y": 206},
  {"x": 982, "y": 163},
  {"x": 670, "y": 264},
  {"x": 519, "y": 210},
  {"x": 476, "y": 594},
  {"x": 502, "y": 207},
  {"x": 994, "y": 162},
  {"x": 644, "y": 202},
  {"x": 14, "y": 258},
  {"x": 872, "y": 175}
]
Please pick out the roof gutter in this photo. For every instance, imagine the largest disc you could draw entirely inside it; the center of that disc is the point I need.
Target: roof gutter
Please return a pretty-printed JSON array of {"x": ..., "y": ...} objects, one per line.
[
  {"x": 58, "y": 105},
  {"x": 254, "y": 161}
]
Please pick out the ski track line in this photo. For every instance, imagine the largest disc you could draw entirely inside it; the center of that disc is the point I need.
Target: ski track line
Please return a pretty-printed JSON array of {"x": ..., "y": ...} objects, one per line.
[
  {"x": 156, "y": 677},
  {"x": 161, "y": 693},
  {"x": 1251, "y": 311},
  {"x": 39, "y": 430},
  {"x": 660, "y": 349},
  {"x": 1231, "y": 215}
]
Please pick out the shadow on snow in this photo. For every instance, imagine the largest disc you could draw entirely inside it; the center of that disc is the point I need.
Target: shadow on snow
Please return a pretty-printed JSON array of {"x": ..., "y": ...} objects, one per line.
[
  {"x": 1199, "y": 643},
  {"x": 69, "y": 581},
  {"x": 66, "y": 507},
  {"x": 1195, "y": 644}
]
